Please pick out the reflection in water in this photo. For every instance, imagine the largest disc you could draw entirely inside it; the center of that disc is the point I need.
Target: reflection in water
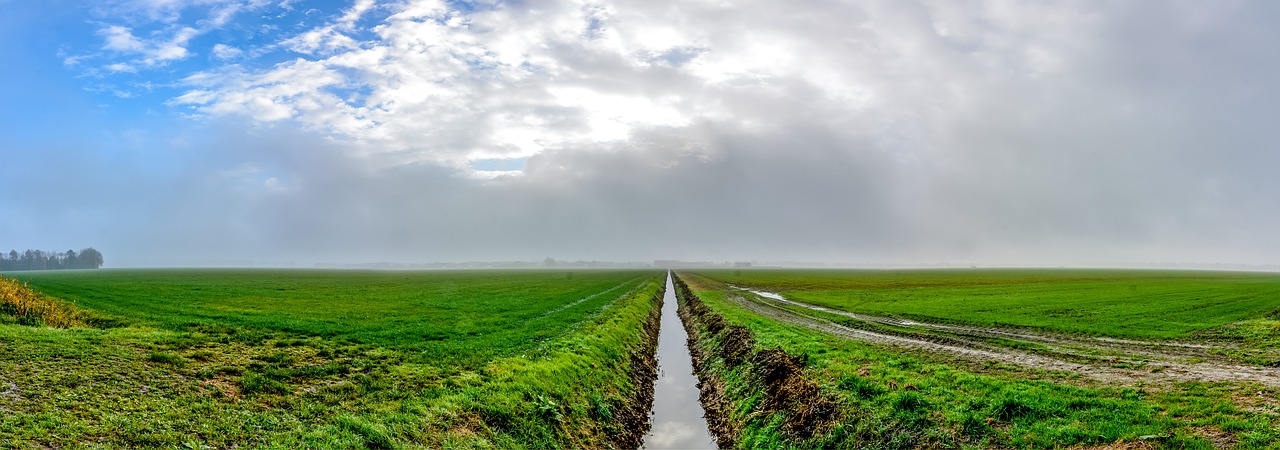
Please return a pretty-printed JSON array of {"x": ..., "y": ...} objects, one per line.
[{"x": 677, "y": 415}]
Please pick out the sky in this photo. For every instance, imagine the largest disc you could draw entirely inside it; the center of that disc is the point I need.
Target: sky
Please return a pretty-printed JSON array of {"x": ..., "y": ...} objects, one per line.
[{"x": 223, "y": 132}]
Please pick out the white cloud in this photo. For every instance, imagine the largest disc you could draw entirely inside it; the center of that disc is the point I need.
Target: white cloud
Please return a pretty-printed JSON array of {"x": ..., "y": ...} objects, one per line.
[
  {"x": 357, "y": 10},
  {"x": 937, "y": 127},
  {"x": 437, "y": 85},
  {"x": 151, "y": 52},
  {"x": 72, "y": 60},
  {"x": 174, "y": 48},
  {"x": 151, "y": 33},
  {"x": 121, "y": 39},
  {"x": 122, "y": 67},
  {"x": 325, "y": 41},
  {"x": 171, "y": 11},
  {"x": 224, "y": 51}
]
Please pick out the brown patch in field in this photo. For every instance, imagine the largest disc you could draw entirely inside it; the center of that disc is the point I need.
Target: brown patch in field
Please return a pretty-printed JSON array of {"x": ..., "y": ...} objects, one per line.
[
  {"x": 1119, "y": 445},
  {"x": 466, "y": 426},
  {"x": 1215, "y": 435},
  {"x": 227, "y": 388},
  {"x": 1258, "y": 401}
]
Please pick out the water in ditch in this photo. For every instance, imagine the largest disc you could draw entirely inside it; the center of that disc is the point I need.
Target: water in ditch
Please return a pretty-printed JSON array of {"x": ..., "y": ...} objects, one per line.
[{"x": 677, "y": 417}]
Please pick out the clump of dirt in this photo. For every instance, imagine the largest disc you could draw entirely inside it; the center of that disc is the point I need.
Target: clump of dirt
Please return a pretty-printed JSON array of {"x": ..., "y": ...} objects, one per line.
[
  {"x": 712, "y": 322},
  {"x": 634, "y": 414},
  {"x": 806, "y": 409},
  {"x": 736, "y": 344},
  {"x": 787, "y": 390}
]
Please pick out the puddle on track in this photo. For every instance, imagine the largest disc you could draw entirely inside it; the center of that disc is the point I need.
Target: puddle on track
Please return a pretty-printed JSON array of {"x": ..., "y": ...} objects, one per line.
[{"x": 677, "y": 416}]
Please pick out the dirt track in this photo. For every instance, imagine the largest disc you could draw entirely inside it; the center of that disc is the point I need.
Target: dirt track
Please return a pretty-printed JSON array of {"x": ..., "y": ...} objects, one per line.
[{"x": 1119, "y": 361}]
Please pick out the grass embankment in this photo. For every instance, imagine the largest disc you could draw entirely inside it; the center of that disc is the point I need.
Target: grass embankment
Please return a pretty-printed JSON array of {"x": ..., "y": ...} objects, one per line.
[
  {"x": 335, "y": 359},
  {"x": 887, "y": 398},
  {"x": 22, "y": 305},
  {"x": 1117, "y": 303}
]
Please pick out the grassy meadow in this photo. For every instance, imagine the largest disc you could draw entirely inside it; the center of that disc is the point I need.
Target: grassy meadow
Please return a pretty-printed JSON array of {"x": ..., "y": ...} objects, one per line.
[
  {"x": 552, "y": 359},
  {"x": 875, "y": 396},
  {"x": 1115, "y": 303},
  {"x": 325, "y": 359}
]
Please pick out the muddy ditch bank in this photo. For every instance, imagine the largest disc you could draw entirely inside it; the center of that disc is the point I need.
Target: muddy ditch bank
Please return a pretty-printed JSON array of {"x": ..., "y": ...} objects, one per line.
[
  {"x": 720, "y": 349},
  {"x": 634, "y": 415}
]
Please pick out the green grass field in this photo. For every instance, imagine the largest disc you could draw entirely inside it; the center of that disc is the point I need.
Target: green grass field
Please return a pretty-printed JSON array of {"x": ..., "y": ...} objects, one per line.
[
  {"x": 890, "y": 397},
  {"x": 546, "y": 358},
  {"x": 326, "y": 359},
  {"x": 1117, "y": 303},
  {"x": 462, "y": 317}
]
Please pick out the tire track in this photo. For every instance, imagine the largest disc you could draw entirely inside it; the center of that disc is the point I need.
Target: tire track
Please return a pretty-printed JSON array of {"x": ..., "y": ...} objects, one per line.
[
  {"x": 1169, "y": 369},
  {"x": 1073, "y": 346},
  {"x": 589, "y": 297}
]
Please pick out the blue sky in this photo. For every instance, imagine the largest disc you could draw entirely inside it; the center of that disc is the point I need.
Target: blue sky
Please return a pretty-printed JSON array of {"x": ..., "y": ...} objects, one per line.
[
  {"x": 224, "y": 132},
  {"x": 59, "y": 47}
]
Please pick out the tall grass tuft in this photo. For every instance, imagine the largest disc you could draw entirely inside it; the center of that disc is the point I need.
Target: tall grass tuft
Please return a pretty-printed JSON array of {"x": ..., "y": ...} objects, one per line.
[{"x": 35, "y": 309}]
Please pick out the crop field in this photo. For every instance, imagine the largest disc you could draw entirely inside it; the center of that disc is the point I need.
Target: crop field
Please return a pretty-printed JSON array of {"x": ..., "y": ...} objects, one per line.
[
  {"x": 326, "y": 359},
  {"x": 987, "y": 358}
]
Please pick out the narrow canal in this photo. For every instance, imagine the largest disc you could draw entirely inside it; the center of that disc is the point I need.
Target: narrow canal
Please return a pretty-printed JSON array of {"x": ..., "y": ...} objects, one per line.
[{"x": 677, "y": 417}]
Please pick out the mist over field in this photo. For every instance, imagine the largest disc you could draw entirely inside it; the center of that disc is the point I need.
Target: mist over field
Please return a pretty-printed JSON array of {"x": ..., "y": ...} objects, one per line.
[{"x": 220, "y": 132}]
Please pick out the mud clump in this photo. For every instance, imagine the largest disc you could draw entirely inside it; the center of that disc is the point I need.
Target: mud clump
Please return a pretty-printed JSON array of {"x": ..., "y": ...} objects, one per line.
[
  {"x": 736, "y": 345},
  {"x": 787, "y": 391},
  {"x": 806, "y": 410},
  {"x": 633, "y": 417},
  {"x": 712, "y": 322}
]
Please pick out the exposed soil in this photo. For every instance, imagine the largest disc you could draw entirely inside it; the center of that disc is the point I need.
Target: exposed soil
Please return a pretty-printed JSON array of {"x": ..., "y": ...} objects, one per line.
[
  {"x": 1068, "y": 344},
  {"x": 807, "y": 411},
  {"x": 787, "y": 390},
  {"x": 1110, "y": 360},
  {"x": 633, "y": 417},
  {"x": 710, "y": 386},
  {"x": 1219, "y": 438},
  {"x": 9, "y": 394}
]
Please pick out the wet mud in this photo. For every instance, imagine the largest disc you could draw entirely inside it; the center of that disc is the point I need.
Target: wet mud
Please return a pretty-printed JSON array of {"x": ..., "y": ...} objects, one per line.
[
  {"x": 717, "y": 346},
  {"x": 1121, "y": 361}
]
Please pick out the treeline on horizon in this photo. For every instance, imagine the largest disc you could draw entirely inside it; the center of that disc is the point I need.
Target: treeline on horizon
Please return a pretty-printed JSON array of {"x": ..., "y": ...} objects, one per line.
[{"x": 88, "y": 258}]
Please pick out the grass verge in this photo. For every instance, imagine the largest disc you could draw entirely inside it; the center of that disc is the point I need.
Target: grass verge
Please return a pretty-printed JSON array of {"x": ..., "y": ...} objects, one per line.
[{"x": 21, "y": 304}]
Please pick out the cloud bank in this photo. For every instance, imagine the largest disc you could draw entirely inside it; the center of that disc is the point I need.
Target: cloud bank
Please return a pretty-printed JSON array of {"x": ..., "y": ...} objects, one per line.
[{"x": 877, "y": 131}]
